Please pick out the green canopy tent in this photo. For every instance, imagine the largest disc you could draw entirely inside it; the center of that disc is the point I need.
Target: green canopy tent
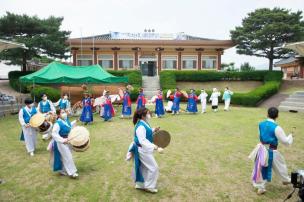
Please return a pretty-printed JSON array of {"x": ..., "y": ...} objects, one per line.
[{"x": 58, "y": 73}]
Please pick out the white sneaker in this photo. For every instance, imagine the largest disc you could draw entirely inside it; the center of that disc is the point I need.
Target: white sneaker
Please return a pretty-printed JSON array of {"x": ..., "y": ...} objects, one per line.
[
  {"x": 261, "y": 191},
  {"x": 31, "y": 153},
  {"x": 139, "y": 186},
  {"x": 75, "y": 175},
  {"x": 152, "y": 190},
  {"x": 63, "y": 173}
]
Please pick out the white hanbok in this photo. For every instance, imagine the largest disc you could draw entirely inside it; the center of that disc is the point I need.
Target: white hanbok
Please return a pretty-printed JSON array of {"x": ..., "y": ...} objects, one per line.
[
  {"x": 169, "y": 106},
  {"x": 149, "y": 167},
  {"x": 203, "y": 98},
  {"x": 64, "y": 149},
  {"x": 214, "y": 100},
  {"x": 278, "y": 165},
  {"x": 30, "y": 133}
]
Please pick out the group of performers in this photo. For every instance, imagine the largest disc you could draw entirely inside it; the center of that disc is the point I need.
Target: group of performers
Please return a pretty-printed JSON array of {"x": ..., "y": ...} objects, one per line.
[
  {"x": 62, "y": 159},
  {"x": 266, "y": 157}
]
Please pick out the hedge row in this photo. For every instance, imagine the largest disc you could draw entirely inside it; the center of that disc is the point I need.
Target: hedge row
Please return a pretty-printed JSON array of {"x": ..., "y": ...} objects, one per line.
[
  {"x": 13, "y": 77},
  {"x": 272, "y": 81},
  {"x": 134, "y": 76},
  {"x": 168, "y": 78},
  {"x": 255, "y": 96},
  {"x": 52, "y": 93}
]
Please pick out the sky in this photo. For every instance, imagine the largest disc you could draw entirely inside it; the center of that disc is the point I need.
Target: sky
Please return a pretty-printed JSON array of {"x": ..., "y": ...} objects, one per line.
[{"x": 203, "y": 18}]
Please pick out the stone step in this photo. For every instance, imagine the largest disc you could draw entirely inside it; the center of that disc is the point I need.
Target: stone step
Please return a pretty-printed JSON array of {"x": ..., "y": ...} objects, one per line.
[
  {"x": 299, "y": 93},
  {"x": 289, "y": 103},
  {"x": 288, "y": 108},
  {"x": 292, "y": 99},
  {"x": 300, "y": 96}
]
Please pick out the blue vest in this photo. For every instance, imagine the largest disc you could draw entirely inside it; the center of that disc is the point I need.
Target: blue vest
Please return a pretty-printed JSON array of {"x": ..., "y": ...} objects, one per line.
[
  {"x": 267, "y": 132},
  {"x": 45, "y": 108},
  {"x": 149, "y": 133},
  {"x": 65, "y": 128},
  {"x": 63, "y": 105},
  {"x": 26, "y": 115},
  {"x": 267, "y": 136}
]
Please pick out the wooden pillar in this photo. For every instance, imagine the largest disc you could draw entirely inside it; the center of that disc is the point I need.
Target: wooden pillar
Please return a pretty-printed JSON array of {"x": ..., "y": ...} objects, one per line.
[
  {"x": 136, "y": 58},
  {"x": 74, "y": 52},
  {"x": 199, "y": 60},
  {"x": 115, "y": 61},
  {"x": 94, "y": 57},
  {"x": 115, "y": 49},
  {"x": 159, "y": 62},
  {"x": 179, "y": 60},
  {"x": 219, "y": 55}
]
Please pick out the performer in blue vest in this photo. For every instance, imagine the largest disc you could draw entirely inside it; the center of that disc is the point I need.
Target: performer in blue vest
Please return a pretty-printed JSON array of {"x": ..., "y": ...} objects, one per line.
[
  {"x": 108, "y": 108},
  {"x": 141, "y": 100},
  {"x": 159, "y": 105},
  {"x": 62, "y": 153},
  {"x": 176, "y": 101},
  {"x": 126, "y": 105},
  {"x": 192, "y": 99},
  {"x": 64, "y": 103},
  {"x": 87, "y": 113},
  {"x": 146, "y": 168},
  {"x": 46, "y": 106},
  {"x": 227, "y": 98},
  {"x": 266, "y": 156},
  {"x": 29, "y": 134}
]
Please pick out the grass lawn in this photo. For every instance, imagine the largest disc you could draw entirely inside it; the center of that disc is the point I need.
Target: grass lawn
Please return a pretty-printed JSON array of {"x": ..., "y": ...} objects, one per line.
[
  {"x": 206, "y": 161},
  {"x": 236, "y": 86}
]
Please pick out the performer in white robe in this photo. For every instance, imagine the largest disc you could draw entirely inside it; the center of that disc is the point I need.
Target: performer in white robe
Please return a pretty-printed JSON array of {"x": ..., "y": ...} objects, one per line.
[
  {"x": 146, "y": 168},
  {"x": 203, "y": 98},
  {"x": 47, "y": 108},
  {"x": 65, "y": 163},
  {"x": 29, "y": 134},
  {"x": 64, "y": 103},
  {"x": 266, "y": 156},
  {"x": 227, "y": 98},
  {"x": 214, "y": 99}
]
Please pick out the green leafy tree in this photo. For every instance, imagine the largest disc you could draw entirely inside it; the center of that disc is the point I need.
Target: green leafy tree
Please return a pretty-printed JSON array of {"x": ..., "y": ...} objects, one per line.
[
  {"x": 264, "y": 31},
  {"x": 42, "y": 37},
  {"x": 246, "y": 67}
]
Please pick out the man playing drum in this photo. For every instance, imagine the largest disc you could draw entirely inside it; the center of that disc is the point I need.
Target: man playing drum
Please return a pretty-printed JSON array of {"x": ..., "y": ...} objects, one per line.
[
  {"x": 46, "y": 107},
  {"x": 29, "y": 133}
]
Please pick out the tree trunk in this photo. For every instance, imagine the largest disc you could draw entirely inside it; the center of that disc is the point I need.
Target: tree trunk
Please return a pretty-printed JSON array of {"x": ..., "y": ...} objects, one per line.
[
  {"x": 24, "y": 62},
  {"x": 270, "y": 64}
]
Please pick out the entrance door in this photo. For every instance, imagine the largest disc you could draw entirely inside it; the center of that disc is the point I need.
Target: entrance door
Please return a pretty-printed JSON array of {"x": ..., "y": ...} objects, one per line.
[
  {"x": 148, "y": 68},
  {"x": 151, "y": 68}
]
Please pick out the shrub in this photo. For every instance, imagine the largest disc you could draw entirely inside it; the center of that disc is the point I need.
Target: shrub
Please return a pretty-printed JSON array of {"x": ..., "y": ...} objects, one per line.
[
  {"x": 14, "y": 82},
  {"x": 255, "y": 96},
  {"x": 134, "y": 94},
  {"x": 167, "y": 79},
  {"x": 52, "y": 93}
]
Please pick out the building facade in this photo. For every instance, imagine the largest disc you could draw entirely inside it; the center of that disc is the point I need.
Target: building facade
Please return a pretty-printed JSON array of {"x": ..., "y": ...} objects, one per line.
[
  {"x": 292, "y": 67},
  {"x": 149, "y": 52}
]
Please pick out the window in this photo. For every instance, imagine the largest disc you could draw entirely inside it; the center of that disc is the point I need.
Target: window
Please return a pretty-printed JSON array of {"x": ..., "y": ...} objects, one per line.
[
  {"x": 209, "y": 62},
  {"x": 105, "y": 61},
  {"x": 189, "y": 62},
  {"x": 84, "y": 60},
  {"x": 125, "y": 61},
  {"x": 169, "y": 62}
]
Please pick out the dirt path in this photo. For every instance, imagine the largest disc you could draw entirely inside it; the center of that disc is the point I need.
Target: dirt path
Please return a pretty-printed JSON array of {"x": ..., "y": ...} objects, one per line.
[{"x": 6, "y": 89}]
